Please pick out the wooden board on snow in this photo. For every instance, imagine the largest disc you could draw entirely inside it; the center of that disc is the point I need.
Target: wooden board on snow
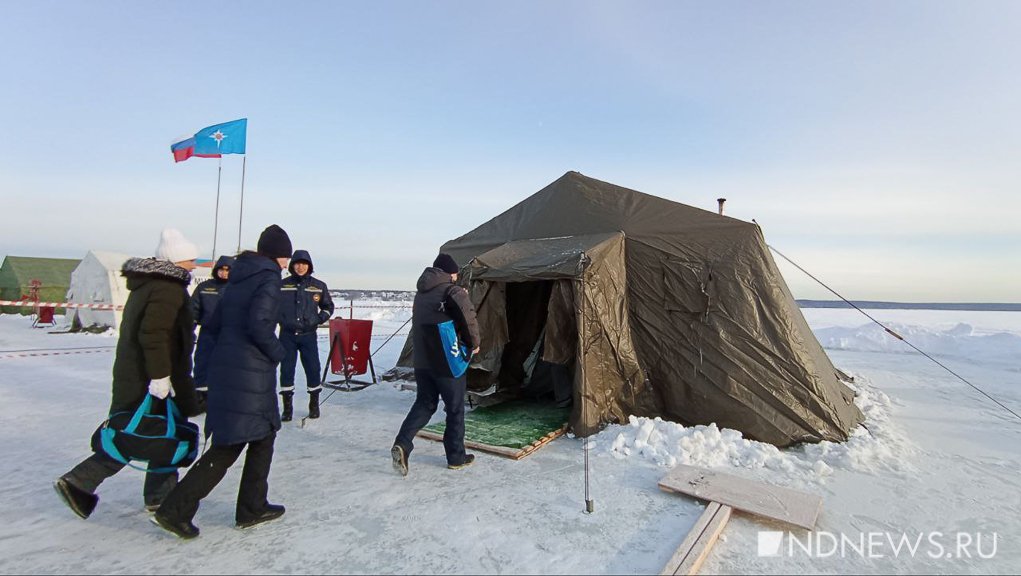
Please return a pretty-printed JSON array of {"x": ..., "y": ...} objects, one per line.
[
  {"x": 696, "y": 546},
  {"x": 782, "y": 504}
]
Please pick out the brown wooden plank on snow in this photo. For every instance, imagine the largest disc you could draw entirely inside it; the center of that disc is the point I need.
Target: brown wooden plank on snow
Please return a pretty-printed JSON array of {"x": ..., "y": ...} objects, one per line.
[
  {"x": 696, "y": 545},
  {"x": 782, "y": 504}
]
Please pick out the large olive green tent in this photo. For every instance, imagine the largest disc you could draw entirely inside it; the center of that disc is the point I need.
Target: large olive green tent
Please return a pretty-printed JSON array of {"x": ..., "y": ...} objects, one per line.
[
  {"x": 661, "y": 309},
  {"x": 18, "y": 272}
]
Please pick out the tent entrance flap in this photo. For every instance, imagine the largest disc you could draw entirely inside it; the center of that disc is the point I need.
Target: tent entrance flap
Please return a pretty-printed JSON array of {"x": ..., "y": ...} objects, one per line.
[
  {"x": 553, "y": 314},
  {"x": 535, "y": 343}
]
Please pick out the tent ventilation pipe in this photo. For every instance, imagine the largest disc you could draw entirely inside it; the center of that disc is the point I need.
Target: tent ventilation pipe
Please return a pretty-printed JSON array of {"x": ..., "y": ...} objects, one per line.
[{"x": 721, "y": 201}]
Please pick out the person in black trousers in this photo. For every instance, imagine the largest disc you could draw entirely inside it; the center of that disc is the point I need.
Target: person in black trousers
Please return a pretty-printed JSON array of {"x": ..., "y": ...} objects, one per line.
[
  {"x": 305, "y": 303},
  {"x": 438, "y": 300},
  {"x": 153, "y": 357},
  {"x": 242, "y": 408}
]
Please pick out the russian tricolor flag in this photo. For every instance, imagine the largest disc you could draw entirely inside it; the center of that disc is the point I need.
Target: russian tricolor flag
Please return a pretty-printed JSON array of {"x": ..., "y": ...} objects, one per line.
[{"x": 185, "y": 149}]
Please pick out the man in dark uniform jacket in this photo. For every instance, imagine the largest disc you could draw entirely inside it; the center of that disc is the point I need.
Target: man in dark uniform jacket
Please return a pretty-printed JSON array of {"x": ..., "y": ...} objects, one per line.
[
  {"x": 438, "y": 300},
  {"x": 305, "y": 303},
  {"x": 203, "y": 302}
]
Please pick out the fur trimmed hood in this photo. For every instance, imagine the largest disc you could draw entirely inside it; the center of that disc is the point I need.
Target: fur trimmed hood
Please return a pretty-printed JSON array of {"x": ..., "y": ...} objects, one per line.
[{"x": 138, "y": 268}]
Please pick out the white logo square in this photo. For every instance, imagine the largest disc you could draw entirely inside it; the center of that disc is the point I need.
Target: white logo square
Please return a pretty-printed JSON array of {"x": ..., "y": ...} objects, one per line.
[{"x": 770, "y": 543}]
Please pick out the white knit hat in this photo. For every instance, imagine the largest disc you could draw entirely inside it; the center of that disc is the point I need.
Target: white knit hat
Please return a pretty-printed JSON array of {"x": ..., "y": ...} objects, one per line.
[{"x": 175, "y": 247}]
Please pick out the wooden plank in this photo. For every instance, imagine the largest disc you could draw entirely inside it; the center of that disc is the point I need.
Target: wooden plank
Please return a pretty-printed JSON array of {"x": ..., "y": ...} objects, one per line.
[
  {"x": 695, "y": 548},
  {"x": 514, "y": 453},
  {"x": 782, "y": 504}
]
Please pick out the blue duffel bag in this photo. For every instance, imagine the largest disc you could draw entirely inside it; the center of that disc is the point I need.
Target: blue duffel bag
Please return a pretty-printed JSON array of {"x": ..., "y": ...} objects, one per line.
[{"x": 166, "y": 442}]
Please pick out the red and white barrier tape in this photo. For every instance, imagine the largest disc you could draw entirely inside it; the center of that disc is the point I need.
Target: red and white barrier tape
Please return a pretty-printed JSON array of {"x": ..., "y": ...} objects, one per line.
[
  {"x": 30, "y": 303},
  {"x": 27, "y": 303},
  {"x": 27, "y": 354}
]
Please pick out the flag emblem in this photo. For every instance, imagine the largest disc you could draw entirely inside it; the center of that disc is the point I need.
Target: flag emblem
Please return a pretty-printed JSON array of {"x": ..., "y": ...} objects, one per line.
[{"x": 213, "y": 141}]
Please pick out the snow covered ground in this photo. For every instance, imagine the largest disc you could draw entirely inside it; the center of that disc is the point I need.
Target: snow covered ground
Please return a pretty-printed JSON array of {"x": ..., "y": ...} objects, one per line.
[{"x": 938, "y": 463}]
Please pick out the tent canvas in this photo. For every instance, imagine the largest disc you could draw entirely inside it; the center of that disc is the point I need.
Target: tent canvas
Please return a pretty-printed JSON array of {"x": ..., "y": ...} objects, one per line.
[
  {"x": 18, "y": 272},
  {"x": 98, "y": 280},
  {"x": 660, "y": 309}
]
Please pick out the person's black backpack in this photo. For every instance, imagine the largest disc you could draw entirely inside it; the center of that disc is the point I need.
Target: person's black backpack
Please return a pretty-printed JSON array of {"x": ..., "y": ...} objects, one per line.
[{"x": 166, "y": 442}]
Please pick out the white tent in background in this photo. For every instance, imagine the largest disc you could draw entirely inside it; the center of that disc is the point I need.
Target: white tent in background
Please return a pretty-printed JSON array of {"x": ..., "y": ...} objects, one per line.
[{"x": 98, "y": 280}]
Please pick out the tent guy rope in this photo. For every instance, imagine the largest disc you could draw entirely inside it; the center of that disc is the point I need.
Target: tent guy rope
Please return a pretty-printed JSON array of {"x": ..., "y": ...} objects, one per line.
[{"x": 896, "y": 335}]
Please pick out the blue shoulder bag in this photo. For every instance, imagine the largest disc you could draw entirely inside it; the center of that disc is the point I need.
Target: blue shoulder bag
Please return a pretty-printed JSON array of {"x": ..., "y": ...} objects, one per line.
[
  {"x": 456, "y": 353},
  {"x": 166, "y": 443}
]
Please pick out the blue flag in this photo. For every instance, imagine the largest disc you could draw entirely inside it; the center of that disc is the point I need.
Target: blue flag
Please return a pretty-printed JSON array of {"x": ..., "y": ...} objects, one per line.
[{"x": 226, "y": 138}]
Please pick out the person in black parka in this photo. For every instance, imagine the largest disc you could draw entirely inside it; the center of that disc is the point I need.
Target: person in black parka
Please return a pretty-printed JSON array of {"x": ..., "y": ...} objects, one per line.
[
  {"x": 203, "y": 302},
  {"x": 438, "y": 300},
  {"x": 153, "y": 352},
  {"x": 242, "y": 406},
  {"x": 305, "y": 303}
]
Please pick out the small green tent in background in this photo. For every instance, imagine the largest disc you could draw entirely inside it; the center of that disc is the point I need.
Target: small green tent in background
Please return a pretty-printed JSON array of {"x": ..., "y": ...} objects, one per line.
[{"x": 17, "y": 273}]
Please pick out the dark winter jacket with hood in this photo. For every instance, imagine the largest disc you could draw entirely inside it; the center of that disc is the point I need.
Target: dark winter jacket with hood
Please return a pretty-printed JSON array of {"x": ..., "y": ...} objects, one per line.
[
  {"x": 242, "y": 406},
  {"x": 305, "y": 302},
  {"x": 438, "y": 300},
  {"x": 207, "y": 294},
  {"x": 156, "y": 338}
]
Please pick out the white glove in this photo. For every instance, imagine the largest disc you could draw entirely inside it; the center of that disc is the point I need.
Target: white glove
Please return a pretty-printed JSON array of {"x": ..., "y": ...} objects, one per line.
[{"x": 161, "y": 388}]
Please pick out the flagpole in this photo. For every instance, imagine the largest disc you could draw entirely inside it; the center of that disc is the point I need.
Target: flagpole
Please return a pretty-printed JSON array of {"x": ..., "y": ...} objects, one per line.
[
  {"x": 216, "y": 218},
  {"x": 241, "y": 213}
]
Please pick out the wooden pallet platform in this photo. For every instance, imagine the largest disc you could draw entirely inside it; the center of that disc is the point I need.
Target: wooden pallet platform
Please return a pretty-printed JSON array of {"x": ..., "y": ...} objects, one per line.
[{"x": 513, "y": 453}]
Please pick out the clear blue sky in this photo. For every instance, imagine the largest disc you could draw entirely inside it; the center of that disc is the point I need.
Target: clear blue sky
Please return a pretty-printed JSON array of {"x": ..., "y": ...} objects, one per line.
[{"x": 876, "y": 143}]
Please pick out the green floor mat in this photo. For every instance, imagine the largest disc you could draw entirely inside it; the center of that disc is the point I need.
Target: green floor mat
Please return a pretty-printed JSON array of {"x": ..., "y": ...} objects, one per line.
[{"x": 517, "y": 424}]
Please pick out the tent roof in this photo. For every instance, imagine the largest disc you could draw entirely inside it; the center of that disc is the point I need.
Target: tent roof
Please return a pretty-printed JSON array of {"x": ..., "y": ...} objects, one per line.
[
  {"x": 576, "y": 204},
  {"x": 109, "y": 260},
  {"x": 540, "y": 258},
  {"x": 49, "y": 271}
]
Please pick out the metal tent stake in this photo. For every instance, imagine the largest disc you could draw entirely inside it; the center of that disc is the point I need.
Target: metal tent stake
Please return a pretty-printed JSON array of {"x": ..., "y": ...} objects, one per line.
[{"x": 590, "y": 505}]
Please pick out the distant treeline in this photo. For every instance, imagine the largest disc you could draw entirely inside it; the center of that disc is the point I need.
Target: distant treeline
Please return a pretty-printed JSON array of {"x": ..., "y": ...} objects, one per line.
[{"x": 912, "y": 305}]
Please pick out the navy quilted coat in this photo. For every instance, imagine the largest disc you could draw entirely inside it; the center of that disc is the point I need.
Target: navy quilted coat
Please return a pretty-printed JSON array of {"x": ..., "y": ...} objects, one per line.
[{"x": 242, "y": 372}]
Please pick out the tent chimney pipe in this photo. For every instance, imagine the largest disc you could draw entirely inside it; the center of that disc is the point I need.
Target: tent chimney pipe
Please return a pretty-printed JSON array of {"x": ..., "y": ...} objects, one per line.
[{"x": 721, "y": 201}]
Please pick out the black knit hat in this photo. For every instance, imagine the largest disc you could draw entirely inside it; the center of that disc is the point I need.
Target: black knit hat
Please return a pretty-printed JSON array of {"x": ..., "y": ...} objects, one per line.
[
  {"x": 274, "y": 242},
  {"x": 446, "y": 263}
]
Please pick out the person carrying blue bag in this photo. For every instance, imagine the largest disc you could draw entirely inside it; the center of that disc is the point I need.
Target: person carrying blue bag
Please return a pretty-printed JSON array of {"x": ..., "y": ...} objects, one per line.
[
  {"x": 243, "y": 415},
  {"x": 153, "y": 361},
  {"x": 445, "y": 334}
]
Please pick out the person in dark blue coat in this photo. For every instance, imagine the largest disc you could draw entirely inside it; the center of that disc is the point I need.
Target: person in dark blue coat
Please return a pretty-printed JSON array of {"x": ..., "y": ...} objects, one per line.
[
  {"x": 242, "y": 407},
  {"x": 305, "y": 303},
  {"x": 203, "y": 302}
]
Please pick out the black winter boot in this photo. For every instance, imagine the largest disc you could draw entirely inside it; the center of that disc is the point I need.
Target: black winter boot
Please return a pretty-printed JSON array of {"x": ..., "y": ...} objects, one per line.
[
  {"x": 79, "y": 501},
  {"x": 313, "y": 404},
  {"x": 288, "y": 412},
  {"x": 272, "y": 512}
]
